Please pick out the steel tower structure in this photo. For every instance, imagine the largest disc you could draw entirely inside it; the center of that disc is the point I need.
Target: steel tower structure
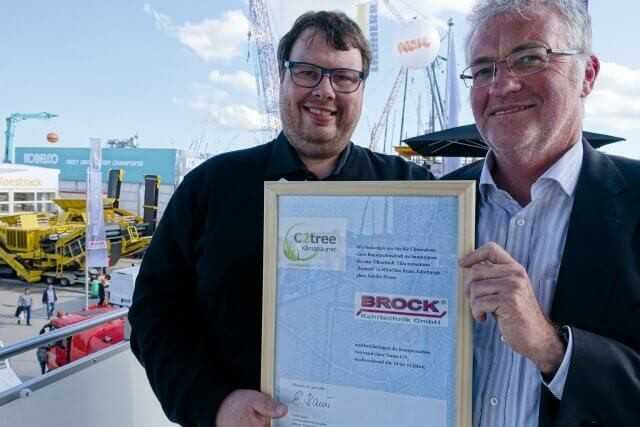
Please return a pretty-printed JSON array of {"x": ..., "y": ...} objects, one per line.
[
  {"x": 267, "y": 79},
  {"x": 432, "y": 88}
]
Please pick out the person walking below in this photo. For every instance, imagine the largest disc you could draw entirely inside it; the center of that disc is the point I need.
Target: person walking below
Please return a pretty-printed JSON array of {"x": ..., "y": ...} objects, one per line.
[
  {"x": 49, "y": 299},
  {"x": 24, "y": 306},
  {"x": 101, "y": 291},
  {"x": 43, "y": 354},
  {"x": 95, "y": 286},
  {"x": 107, "y": 288}
]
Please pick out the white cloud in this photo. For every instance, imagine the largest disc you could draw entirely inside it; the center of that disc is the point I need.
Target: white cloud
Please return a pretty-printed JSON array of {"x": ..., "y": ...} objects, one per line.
[
  {"x": 210, "y": 39},
  {"x": 236, "y": 116},
  {"x": 428, "y": 9},
  {"x": 226, "y": 111},
  {"x": 217, "y": 39},
  {"x": 204, "y": 94},
  {"x": 239, "y": 80},
  {"x": 615, "y": 101},
  {"x": 620, "y": 78},
  {"x": 284, "y": 12}
]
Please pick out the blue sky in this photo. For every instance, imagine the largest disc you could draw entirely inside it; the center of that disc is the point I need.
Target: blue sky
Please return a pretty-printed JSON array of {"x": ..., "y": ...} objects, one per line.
[{"x": 177, "y": 74}]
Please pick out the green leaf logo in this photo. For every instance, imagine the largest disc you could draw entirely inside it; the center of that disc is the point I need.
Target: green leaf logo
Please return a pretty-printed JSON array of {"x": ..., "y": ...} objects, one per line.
[{"x": 291, "y": 250}]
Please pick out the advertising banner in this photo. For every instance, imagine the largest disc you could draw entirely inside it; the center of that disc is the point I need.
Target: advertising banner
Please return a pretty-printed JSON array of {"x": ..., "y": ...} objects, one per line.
[{"x": 96, "y": 247}]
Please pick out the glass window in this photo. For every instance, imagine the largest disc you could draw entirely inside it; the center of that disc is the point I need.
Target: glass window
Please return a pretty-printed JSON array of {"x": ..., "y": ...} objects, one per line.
[
  {"x": 4, "y": 208},
  {"x": 4, "y": 197},
  {"x": 46, "y": 207},
  {"x": 23, "y": 197},
  {"x": 45, "y": 196},
  {"x": 24, "y": 207}
]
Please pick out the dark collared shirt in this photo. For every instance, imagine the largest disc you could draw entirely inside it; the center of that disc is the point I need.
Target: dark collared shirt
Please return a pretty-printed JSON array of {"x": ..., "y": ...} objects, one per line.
[
  {"x": 285, "y": 162},
  {"x": 197, "y": 306}
]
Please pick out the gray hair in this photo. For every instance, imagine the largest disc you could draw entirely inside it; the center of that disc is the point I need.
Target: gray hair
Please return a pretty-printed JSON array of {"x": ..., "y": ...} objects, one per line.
[{"x": 574, "y": 13}]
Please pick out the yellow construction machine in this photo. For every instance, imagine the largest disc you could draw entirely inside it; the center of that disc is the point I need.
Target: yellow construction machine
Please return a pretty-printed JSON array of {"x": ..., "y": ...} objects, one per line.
[{"x": 49, "y": 247}]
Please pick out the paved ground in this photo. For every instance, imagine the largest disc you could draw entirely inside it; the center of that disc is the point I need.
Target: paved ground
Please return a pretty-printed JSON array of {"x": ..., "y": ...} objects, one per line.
[{"x": 69, "y": 299}]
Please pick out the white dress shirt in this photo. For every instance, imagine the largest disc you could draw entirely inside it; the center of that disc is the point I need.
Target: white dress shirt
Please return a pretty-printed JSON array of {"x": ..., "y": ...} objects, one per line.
[{"x": 506, "y": 385}]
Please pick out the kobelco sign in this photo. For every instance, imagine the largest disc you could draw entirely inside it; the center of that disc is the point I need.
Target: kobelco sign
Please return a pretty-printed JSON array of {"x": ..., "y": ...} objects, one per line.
[{"x": 40, "y": 158}]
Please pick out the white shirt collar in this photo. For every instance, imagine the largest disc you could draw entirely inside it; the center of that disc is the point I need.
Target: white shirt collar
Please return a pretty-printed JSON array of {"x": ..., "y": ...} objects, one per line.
[{"x": 564, "y": 171}]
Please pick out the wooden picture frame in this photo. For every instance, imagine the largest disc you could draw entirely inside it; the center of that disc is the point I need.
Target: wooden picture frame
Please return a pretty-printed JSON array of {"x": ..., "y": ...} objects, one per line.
[{"x": 364, "y": 316}]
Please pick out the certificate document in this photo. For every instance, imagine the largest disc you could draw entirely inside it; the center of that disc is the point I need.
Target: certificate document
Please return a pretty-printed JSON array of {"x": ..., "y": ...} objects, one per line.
[{"x": 364, "y": 317}]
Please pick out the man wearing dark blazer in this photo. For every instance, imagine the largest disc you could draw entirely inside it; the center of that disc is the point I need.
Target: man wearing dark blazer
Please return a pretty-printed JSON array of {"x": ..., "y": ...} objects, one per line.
[{"x": 554, "y": 286}]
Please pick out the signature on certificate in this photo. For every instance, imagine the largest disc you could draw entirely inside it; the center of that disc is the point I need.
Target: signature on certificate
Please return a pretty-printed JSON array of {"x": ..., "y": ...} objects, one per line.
[{"x": 310, "y": 400}]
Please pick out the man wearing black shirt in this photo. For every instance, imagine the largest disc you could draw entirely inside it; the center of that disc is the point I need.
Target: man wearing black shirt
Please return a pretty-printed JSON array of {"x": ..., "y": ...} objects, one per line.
[{"x": 196, "y": 313}]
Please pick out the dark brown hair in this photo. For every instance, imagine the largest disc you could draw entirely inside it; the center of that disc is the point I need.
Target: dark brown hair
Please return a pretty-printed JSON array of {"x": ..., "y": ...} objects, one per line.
[{"x": 340, "y": 32}]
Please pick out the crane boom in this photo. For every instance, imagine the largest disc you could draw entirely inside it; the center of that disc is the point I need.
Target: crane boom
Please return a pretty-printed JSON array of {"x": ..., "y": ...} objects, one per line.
[
  {"x": 375, "y": 132},
  {"x": 267, "y": 66},
  {"x": 9, "y": 149}
]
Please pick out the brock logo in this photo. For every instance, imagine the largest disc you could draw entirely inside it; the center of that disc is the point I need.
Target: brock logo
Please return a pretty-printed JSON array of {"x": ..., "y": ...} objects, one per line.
[{"x": 418, "y": 307}]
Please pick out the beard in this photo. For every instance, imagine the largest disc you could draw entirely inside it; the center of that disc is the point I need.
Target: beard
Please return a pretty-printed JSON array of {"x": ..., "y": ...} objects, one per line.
[{"x": 313, "y": 141}]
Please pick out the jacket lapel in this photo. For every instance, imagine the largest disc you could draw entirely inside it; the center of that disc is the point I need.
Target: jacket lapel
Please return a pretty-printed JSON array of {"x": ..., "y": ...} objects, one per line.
[{"x": 593, "y": 228}]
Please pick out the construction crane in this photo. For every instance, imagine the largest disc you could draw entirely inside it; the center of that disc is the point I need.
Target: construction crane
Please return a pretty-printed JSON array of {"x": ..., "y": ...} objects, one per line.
[
  {"x": 266, "y": 64},
  {"x": 9, "y": 147},
  {"x": 431, "y": 78},
  {"x": 376, "y": 133}
]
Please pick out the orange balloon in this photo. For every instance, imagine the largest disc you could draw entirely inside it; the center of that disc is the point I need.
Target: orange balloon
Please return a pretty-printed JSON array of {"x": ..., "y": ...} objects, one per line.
[{"x": 52, "y": 137}]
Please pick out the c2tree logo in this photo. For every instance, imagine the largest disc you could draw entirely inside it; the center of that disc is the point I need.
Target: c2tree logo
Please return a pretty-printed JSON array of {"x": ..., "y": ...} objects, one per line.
[
  {"x": 293, "y": 248},
  {"x": 313, "y": 243}
]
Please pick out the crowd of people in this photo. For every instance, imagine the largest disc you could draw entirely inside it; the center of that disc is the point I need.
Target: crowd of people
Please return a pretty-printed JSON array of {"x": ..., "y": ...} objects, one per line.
[
  {"x": 25, "y": 303},
  {"x": 100, "y": 290}
]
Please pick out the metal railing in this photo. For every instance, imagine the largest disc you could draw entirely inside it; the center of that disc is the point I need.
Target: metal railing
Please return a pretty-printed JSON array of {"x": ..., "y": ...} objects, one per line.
[
  {"x": 76, "y": 392},
  {"x": 58, "y": 334}
]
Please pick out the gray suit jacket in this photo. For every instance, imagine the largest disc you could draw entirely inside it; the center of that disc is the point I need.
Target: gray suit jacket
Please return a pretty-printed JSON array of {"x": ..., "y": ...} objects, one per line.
[{"x": 598, "y": 295}]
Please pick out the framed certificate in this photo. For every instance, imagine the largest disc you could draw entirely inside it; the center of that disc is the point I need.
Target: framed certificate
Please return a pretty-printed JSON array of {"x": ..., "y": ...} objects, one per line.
[{"x": 364, "y": 317}]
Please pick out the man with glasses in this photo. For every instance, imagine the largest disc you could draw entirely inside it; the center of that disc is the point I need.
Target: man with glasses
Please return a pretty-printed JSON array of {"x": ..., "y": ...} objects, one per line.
[
  {"x": 554, "y": 287},
  {"x": 196, "y": 313}
]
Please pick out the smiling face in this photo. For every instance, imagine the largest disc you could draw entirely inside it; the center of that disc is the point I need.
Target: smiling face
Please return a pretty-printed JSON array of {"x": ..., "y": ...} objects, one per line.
[
  {"x": 537, "y": 117},
  {"x": 319, "y": 122}
]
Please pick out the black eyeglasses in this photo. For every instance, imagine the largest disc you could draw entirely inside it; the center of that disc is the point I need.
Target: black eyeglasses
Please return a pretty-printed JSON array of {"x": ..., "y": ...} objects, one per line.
[
  {"x": 343, "y": 80},
  {"x": 519, "y": 63}
]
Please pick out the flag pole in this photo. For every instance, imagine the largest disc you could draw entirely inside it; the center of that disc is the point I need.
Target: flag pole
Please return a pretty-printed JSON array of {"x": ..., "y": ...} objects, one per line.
[
  {"x": 452, "y": 97},
  {"x": 96, "y": 243},
  {"x": 86, "y": 241}
]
